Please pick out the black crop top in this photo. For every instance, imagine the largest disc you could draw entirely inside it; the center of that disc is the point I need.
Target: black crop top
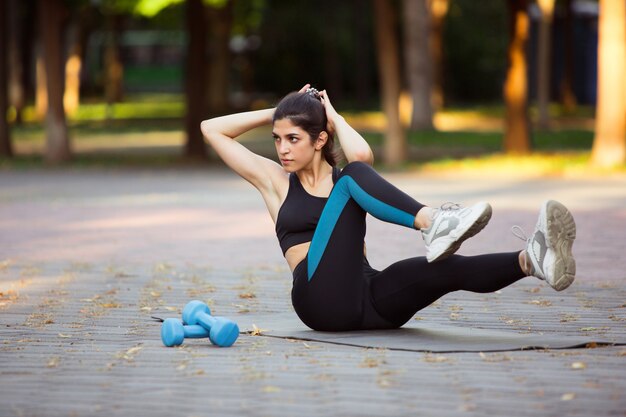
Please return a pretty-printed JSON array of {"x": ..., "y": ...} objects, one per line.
[{"x": 298, "y": 216}]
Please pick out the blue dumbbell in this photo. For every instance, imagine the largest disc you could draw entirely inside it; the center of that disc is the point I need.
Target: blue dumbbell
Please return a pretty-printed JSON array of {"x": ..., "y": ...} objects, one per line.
[
  {"x": 222, "y": 332},
  {"x": 173, "y": 332}
]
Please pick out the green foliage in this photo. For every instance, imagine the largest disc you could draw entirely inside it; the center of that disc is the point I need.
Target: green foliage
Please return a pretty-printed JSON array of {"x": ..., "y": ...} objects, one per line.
[{"x": 150, "y": 8}]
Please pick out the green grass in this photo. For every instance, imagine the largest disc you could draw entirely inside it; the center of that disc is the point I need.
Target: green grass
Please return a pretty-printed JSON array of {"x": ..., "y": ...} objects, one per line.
[
  {"x": 492, "y": 141},
  {"x": 147, "y": 130}
]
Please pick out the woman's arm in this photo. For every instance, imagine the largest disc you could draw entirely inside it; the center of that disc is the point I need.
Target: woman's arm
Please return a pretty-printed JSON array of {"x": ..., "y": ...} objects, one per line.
[
  {"x": 220, "y": 133},
  {"x": 354, "y": 147}
]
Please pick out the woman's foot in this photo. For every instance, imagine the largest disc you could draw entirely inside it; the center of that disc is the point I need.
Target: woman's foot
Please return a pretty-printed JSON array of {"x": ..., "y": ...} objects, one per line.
[
  {"x": 549, "y": 250},
  {"x": 451, "y": 225}
]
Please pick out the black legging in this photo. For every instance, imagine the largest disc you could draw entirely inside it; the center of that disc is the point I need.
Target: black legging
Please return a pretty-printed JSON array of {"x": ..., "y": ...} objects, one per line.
[{"x": 335, "y": 289}]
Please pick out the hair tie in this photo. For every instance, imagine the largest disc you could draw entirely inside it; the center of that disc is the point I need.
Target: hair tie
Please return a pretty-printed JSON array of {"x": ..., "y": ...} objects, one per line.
[{"x": 313, "y": 93}]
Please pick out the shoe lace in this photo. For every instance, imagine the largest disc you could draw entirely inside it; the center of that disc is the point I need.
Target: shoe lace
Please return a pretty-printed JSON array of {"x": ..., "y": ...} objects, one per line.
[
  {"x": 449, "y": 206},
  {"x": 519, "y": 233}
]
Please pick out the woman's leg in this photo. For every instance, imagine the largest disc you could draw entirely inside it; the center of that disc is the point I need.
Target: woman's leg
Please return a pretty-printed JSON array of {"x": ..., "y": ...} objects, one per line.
[
  {"x": 333, "y": 299},
  {"x": 360, "y": 183},
  {"x": 329, "y": 286},
  {"x": 406, "y": 287}
]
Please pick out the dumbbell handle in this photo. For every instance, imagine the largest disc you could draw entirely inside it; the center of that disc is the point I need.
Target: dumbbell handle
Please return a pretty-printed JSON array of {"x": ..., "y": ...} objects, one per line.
[
  {"x": 205, "y": 320},
  {"x": 195, "y": 331}
]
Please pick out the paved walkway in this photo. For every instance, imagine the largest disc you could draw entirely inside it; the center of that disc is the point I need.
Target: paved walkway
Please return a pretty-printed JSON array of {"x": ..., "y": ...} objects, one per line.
[{"x": 86, "y": 257}]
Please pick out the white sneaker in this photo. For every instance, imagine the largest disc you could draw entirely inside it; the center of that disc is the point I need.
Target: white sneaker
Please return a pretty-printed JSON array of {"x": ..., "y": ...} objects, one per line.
[
  {"x": 549, "y": 249},
  {"x": 451, "y": 225}
]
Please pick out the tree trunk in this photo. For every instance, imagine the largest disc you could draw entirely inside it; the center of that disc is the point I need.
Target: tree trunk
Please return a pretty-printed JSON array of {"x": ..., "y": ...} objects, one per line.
[
  {"x": 568, "y": 97},
  {"x": 41, "y": 84},
  {"x": 27, "y": 47},
  {"x": 543, "y": 61},
  {"x": 195, "y": 82},
  {"x": 17, "y": 95},
  {"x": 79, "y": 36},
  {"x": 395, "y": 147},
  {"x": 517, "y": 135},
  {"x": 57, "y": 140},
  {"x": 220, "y": 25},
  {"x": 418, "y": 62},
  {"x": 71, "y": 96},
  {"x": 5, "y": 138},
  {"x": 609, "y": 144},
  {"x": 438, "y": 10},
  {"x": 114, "y": 69}
]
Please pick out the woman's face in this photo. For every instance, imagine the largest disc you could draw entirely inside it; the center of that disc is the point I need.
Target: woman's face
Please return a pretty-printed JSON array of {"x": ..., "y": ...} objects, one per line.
[{"x": 293, "y": 145}]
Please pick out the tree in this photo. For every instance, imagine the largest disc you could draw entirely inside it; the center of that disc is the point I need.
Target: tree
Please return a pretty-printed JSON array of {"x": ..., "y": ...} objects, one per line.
[
  {"x": 517, "y": 135},
  {"x": 395, "y": 147},
  {"x": 16, "y": 67},
  {"x": 57, "y": 139},
  {"x": 568, "y": 98},
  {"x": 438, "y": 10},
  {"x": 220, "y": 18},
  {"x": 5, "y": 139},
  {"x": 418, "y": 61},
  {"x": 609, "y": 144},
  {"x": 543, "y": 60},
  {"x": 79, "y": 33},
  {"x": 195, "y": 81}
]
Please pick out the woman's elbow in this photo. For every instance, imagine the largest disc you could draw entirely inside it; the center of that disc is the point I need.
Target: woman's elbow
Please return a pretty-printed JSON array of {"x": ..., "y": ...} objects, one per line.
[{"x": 365, "y": 156}]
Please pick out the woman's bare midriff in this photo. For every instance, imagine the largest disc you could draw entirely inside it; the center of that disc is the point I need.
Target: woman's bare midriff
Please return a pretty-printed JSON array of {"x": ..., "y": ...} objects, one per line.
[{"x": 296, "y": 254}]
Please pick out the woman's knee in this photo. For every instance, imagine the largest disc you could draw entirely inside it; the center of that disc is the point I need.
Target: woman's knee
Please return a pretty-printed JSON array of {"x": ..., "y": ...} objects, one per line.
[{"x": 355, "y": 168}]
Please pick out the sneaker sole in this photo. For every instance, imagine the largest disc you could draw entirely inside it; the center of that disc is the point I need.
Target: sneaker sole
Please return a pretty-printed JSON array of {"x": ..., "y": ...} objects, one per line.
[
  {"x": 478, "y": 225},
  {"x": 561, "y": 232}
]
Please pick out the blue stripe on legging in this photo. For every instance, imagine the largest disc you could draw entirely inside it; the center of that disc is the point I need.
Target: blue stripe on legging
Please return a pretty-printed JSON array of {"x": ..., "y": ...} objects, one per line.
[{"x": 346, "y": 188}]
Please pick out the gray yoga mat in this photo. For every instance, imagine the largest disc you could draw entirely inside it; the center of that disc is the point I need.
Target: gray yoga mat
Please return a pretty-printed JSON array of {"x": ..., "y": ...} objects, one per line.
[{"x": 427, "y": 337}]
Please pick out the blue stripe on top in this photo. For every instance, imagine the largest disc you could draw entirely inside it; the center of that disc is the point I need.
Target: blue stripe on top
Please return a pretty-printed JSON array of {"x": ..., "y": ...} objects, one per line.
[{"x": 346, "y": 188}]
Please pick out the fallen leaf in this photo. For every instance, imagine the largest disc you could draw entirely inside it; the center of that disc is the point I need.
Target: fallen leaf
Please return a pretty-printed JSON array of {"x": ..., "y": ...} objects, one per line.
[
  {"x": 247, "y": 295},
  {"x": 256, "y": 331},
  {"x": 593, "y": 329},
  {"x": 270, "y": 389},
  {"x": 435, "y": 358},
  {"x": 579, "y": 365},
  {"x": 133, "y": 350},
  {"x": 542, "y": 303},
  {"x": 383, "y": 382},
  {"x": 369, "y": 363},
  {"x": 64, "y": 336},
  {"x": 53, "y": 362},
  {"x": 568, "y": 396}
]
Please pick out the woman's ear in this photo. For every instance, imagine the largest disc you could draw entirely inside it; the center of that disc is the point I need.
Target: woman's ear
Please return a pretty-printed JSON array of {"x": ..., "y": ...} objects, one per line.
[{"x": 321, "y": 140}]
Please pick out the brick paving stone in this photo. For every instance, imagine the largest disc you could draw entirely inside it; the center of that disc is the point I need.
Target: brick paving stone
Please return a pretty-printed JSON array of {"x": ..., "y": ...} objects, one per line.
[{"x": 87, "y": 257}]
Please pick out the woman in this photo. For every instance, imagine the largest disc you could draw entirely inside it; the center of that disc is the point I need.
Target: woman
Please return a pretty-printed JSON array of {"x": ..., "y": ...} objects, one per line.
[{"x": 319, "y": 212}]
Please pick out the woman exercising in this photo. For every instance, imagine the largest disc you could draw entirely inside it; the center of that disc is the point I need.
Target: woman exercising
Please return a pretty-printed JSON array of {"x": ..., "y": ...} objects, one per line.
[{"x": 319, "y": 212}]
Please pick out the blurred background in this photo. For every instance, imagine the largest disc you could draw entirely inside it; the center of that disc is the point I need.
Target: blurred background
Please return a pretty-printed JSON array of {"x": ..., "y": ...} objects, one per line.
[{"x": 429, "y": 83}]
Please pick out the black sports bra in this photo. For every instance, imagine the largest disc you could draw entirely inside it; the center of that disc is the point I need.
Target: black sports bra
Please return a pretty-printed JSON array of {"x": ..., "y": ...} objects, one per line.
[{"x": 298, "y": 216}]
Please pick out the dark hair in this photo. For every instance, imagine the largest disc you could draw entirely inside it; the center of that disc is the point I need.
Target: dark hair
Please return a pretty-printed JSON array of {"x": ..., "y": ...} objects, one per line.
[{"x": 307, "y": 112}]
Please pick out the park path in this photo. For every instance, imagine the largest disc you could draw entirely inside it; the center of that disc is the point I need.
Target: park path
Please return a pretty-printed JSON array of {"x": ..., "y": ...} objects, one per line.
[{"x": 87, "y": 256}]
